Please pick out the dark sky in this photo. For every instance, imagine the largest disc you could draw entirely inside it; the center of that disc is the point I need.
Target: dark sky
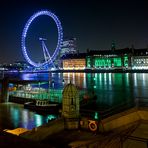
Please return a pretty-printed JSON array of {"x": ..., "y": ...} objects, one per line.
[{"x": 94, "y": 23}]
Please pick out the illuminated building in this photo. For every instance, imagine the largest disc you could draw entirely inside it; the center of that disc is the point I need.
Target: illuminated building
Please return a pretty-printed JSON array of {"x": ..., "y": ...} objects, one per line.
[
  {"x": 16, "y": 66},
  {"x": 109, "y": 59},
  {"x": 68, "y": 47},
  {"x": 127, "y": 58},
  {"x": 21, "y": 64},
  {"x": 74, "y": 61},
  {"x": 139, "y": 59}
]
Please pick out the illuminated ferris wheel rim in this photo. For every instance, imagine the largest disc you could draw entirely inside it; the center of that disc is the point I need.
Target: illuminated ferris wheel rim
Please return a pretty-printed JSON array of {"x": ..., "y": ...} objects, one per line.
[{"x": 24, "y": 34}]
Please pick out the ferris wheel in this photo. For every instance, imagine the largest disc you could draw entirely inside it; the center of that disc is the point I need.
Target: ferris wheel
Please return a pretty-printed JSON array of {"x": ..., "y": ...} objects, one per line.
[{"x": 48, "y": 59}]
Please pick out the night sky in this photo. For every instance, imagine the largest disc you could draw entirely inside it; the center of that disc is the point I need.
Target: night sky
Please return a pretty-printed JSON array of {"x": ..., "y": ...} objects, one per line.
[{"x": 95, "y": 24}]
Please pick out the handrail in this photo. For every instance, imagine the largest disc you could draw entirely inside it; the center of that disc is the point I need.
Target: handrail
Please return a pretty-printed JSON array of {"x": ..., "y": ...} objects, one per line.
[
  {"x": 109, "y": 111},
  {"x": 135, "y": 138},
  {"x": 138, "y": 102}
]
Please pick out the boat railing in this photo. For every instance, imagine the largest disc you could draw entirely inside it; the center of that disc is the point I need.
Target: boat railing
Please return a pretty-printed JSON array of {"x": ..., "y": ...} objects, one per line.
[{"x": 52, "y": 95}]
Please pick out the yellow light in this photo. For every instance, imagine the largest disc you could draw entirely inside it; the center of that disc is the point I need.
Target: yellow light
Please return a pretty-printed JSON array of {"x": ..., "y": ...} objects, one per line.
[{"x": 16, "y": 131}]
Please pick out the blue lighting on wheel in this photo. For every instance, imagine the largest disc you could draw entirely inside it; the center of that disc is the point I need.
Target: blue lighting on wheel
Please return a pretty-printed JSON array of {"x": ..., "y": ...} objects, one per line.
[{"x": 24, "y": 34}]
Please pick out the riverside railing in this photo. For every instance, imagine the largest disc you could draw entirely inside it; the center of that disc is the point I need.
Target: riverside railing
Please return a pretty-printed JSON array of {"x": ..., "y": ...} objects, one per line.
[
  {"x": 137, "y": 102},
  {"x": 133, "y": 138}
]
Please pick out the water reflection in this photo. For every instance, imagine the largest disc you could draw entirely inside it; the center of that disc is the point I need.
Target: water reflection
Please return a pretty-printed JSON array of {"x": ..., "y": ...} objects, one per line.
[
  {"x": 16, "y": 116},
  {"x": 38, "y": 119},
  {"x": 112, "y": 89}
]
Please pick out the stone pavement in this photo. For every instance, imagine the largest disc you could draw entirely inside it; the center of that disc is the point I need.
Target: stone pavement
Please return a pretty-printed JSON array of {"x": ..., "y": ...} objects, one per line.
[{"x": 139, "y": 138}]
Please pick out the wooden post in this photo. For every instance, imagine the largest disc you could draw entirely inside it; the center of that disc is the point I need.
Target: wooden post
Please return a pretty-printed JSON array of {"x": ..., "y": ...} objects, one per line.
[{"x": 4, "y": 91}]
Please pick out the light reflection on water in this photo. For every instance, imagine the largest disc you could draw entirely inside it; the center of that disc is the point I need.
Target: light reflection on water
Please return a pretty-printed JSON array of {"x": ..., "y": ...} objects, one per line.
[
  {"x": 14, "y": 115},
  {"x": 111, "y": 89}
]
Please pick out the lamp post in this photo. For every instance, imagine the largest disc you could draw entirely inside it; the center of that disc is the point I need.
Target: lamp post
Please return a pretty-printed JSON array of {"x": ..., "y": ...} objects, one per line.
[
  {"x": 53, "y": 87},
  {"x": 48, "y": 92},
  {"x": 49, "y": 86},
  {"x": 39, "y": 89}
]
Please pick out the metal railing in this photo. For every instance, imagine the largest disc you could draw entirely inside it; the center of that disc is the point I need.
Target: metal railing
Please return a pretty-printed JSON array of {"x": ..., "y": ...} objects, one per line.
[
  {"x": 134, "y": 138},
  {"x": 138, "y": 102},
  {"x": 51, "y": 95},
  {"x": 107, "y": 112}
]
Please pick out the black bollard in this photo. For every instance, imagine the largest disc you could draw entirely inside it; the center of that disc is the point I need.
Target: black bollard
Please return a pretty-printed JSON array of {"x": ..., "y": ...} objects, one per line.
[{"x": 4, "y": 90}]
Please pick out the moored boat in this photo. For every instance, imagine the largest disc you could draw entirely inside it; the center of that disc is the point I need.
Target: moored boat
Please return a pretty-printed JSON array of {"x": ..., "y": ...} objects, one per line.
[{"x": 43, "y": 106}]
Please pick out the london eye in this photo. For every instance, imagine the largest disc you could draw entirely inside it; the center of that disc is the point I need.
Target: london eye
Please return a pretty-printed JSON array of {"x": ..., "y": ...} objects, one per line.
[{"x": 48, "y": 59}]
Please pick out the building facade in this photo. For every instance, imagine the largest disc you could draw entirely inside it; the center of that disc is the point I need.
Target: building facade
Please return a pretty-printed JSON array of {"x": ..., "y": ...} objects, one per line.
[
  {"x": 74, "y": 61},
  {"x": 127, "y": 58},
  {"x": 68, "y": 47},
  {"x": 108, "y": 59}
]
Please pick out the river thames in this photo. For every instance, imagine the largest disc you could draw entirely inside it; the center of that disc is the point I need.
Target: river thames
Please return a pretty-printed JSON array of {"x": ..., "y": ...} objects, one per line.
[{"x": 112, "y": 89}]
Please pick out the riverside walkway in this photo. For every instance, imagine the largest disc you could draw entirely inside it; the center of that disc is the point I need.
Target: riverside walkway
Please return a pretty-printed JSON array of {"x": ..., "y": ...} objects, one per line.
[{"x": 130, "y": 130}]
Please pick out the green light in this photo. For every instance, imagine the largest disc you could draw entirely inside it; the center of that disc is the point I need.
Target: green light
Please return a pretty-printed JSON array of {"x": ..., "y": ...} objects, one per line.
[
  {"x": 96, "y": 116},
  {"x": 95, "y": 86},
  {"x": 125, "y": 61},
  {"x": 117, "y": 62},
  {"x": 38, "y": 120},
  {"x": 107, "y": 62},
  {"x": 88, "y": 63},
  {"x": 102, "y": 62},
  {"x": 51, "y": 117}
]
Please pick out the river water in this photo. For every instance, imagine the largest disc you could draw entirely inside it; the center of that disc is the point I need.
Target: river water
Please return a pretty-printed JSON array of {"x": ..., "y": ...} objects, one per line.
[{"x": 112, "y": 89}]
